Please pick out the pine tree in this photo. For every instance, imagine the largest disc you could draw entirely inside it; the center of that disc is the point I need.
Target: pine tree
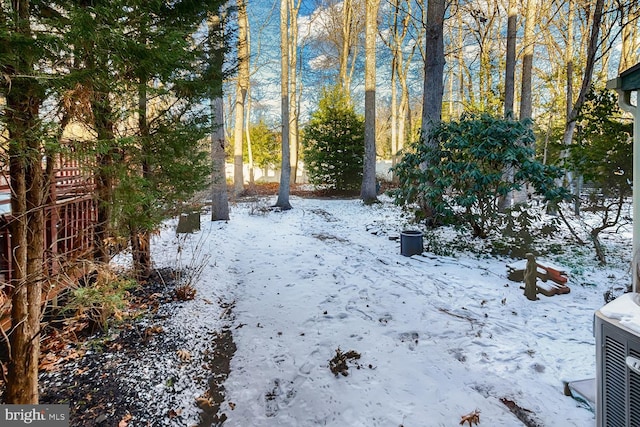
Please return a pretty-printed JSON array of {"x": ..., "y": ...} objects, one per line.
[{"x": 333, "y": 143}]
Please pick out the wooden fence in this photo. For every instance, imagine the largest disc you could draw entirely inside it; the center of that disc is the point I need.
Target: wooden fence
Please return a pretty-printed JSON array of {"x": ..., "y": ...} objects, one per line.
[{"x": 70, "y": 218}]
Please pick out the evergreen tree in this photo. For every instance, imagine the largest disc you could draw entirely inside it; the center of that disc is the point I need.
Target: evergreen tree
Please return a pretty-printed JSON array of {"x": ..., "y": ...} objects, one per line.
[
  {"x": 173, "y": 79},
  {"x": 265, "y": 146},
  {"x": 333, "y": 142}
]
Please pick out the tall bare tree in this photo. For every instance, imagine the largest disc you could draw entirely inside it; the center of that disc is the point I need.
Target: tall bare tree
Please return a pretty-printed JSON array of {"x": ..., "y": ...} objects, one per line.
[
  {"x": 285, "y": 174},
  {"x": 629, "y": 48},
  {"x": 341, "y": 25},
  {"x": 528, "y": 42},
  {"x": 294, "y": 125},
  {"x": 219, "y": 196},
  {"x": 590, "y": 59},
  {"x": 510, "y": 64},
  {"x": 242, "y": 86},
  {"x": 368, "y": 189},
  {"x": 401, "y": 61},
  {"x": 433, "y": 66}
]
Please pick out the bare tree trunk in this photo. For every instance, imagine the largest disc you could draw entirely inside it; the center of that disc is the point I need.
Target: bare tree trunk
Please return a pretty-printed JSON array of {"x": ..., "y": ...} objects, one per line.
[
  {"x": 347, "y": 36},
  {"x": 247, "y": 135},
  {"x": 219, "y": 195},
  {"x": 510, "y": 67},
  {"x": 433, "y": 67},
  {"x": 294, "y": 8},
  {"x": 588, "y": 73},
  {"x": 628, "y": 55},
  {"x": 104, "y": 176},
  {"x": 241, "y": 96},
  {"x": 569, "y": 95},
  {"x": 285, "y": 173},
  {"x": 368, "y": 189},
  {"x": 141, "y": 237},
  {"x": 27, "y": 228},
  {"x": 527, "y": 59}
]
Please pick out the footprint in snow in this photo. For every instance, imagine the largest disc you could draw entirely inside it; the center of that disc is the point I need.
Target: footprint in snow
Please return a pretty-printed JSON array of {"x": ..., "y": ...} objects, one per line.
[
  {"x": 280, "y": 395},
  {"x": 411, "y": 338}
]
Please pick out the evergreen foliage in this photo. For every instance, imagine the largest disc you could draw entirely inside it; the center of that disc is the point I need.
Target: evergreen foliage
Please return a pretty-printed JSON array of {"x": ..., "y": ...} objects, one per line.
[
  {"x": 603, "y": 151},
  {"x": 602, "y": 154},
  {"x": 265, "y": 146},
  {"x": 466, "y": 176},
  {"x": 333, "y": 142}
]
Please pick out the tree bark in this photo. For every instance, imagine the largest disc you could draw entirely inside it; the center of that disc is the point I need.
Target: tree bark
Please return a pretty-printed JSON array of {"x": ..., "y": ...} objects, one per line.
[
  {"x": 139, "y": 235},
  {"x": 219, "y": 194},
  {"x": 27, "y": 228},
  {"x": 368, "y": 189},
  {"x": 433, "y": 67},
  {"x": 103, "y": 118},
  {"x": 629, "y": 47},
  {"x": 510, "y": 66},
  {"x": 285, "y": 173},
  {"x": 346, "y": 48},
  {"x": 242, "y": 87},
  {"x": 590, "y": 59},
  {"x": 294, "y": 9},
  {"x": 527, "y": 59}
]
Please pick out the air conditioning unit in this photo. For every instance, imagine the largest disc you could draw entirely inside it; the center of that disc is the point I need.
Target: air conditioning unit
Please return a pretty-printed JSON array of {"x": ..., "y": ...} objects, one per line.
[{"x": 617, "y": 333}]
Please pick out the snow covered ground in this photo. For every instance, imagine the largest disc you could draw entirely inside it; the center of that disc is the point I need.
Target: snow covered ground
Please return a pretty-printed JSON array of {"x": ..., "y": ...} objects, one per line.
[{"x": 439, "y": 337}]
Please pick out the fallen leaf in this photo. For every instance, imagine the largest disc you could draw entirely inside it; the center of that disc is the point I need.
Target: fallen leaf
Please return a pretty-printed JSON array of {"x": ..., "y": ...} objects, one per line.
[
  {"x": 124, "y": 422},
  {"x": 183, "y": 355},
  {"x": 471, "y": 418},
  {"x": 173, "y": 413}
]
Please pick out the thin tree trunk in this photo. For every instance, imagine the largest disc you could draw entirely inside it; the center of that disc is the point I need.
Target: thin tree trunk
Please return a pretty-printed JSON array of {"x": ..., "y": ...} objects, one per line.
[
  {"x": 241, "y": 96},
  {"x": 285, "y": 173},
  {"x": 628, "y": 56},
  {"x": 510, "y": 67},
  {"x": 588, "y": 73},
  {"x": 27, "y": 228},
  {"x": 347, "y": 29},
  {"x": 219, "y": 194},
  {"x": 294, "y": 8},
  {"x": 140, "y": 236},
  {"x": 103, "y": 117},
  {"x": 368, "y": 189},
  {"x": 247, "y": 135},
  {"x": 527, "y": 60},
  {"x": 394, "y": 112}
]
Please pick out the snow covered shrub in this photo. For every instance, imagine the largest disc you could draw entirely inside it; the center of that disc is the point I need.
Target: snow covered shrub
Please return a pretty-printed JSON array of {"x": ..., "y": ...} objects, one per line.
[
  {"x": 333, "y": 143},
  {"x": 469, "y": 166}
]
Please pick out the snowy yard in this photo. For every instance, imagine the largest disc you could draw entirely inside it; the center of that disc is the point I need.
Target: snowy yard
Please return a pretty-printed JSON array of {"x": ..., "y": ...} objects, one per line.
[{"x": 439, "y": 337}]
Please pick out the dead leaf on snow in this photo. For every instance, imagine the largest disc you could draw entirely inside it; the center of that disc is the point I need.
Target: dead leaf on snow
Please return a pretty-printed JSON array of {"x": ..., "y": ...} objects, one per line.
[
  {"x": 183, "y": 355},
  {"x": 471, "y": 418}
]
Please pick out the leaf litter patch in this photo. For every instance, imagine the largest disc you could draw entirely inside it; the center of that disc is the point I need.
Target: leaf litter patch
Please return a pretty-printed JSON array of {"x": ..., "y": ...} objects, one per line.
[
  {"x": 148, "y": 371},
  {"x": 339, "y": 364}
]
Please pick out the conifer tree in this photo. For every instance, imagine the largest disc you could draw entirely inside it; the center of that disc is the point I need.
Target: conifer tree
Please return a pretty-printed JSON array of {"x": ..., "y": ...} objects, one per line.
[{"x": 333, "y": 142}]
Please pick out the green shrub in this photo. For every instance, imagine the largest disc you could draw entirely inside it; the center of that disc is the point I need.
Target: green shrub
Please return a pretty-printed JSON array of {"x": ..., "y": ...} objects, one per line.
[
  {"x": 474, "y": 162},
  {"x": 333, "y": 143}
]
